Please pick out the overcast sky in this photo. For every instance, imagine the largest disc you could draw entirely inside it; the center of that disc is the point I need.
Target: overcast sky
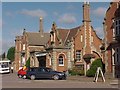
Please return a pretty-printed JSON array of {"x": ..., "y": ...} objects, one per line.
[{"x": 19, "y": 15}]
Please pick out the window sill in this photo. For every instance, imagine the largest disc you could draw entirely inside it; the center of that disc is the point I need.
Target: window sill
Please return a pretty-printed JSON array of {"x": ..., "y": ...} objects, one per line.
[{"x": 61, "y": 65}]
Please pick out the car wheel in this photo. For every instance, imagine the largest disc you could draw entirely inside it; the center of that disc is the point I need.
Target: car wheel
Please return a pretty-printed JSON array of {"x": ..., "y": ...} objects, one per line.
[
  {"x": 32, "y": 77},
  {"x": 20, "y": 76},
  {"x": 24, "y": 77},
  {"x": 55, "y": 77}
]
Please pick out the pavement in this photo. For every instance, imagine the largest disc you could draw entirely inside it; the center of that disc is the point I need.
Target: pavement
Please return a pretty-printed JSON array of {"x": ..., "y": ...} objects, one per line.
[
  {"x": 91, "y": 79},
  {"x": 11, "y": 80},
  {"x": 114, "y": 82},
  {"x": 108, "y": 79}
]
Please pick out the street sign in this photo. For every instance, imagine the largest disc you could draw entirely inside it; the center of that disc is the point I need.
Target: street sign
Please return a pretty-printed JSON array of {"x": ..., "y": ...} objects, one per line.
[{"x": 99, "y": 70}]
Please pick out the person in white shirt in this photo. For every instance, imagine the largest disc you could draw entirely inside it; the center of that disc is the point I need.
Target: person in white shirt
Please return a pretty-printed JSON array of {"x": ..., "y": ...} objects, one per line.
[{"x": 12, "y": 69}]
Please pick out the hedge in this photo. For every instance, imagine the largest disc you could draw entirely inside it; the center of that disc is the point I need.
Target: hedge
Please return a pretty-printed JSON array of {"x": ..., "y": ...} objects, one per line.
[{"x": 93, "y": 68}]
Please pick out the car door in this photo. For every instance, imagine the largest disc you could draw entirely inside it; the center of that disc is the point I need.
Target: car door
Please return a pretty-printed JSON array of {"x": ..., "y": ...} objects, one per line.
[
  {"x": 40, "y": 73},
  {"x": 44, "y": 73},
  {"x": 47, "y": 73}
]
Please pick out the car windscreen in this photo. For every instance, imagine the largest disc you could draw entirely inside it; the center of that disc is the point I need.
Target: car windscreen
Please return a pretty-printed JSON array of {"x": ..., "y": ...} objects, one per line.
[{"x": 32, "y": 69}]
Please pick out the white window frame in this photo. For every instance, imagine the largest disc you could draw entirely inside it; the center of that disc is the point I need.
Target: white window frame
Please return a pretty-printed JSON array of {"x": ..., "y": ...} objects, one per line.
[{"x": 61, "y": 61}]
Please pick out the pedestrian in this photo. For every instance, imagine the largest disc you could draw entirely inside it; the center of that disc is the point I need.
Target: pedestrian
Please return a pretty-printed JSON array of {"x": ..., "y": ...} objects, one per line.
[{"x": 11, "y": 69}]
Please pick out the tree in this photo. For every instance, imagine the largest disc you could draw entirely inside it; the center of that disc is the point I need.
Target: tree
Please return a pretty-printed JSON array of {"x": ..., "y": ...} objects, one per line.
[
  {"x": 28, "y": 63},
  {"x": 3, "y": 56},
  {"x": 11, "y": 53}
]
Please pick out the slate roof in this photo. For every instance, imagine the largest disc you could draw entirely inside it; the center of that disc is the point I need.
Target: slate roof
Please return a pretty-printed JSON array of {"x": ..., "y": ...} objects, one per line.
[
  {"x": 63, "y": 33},
  {"x": 73, "y": 32},
  {"x": 37, "y": 38},
  {"x": 67, "y": 34}
]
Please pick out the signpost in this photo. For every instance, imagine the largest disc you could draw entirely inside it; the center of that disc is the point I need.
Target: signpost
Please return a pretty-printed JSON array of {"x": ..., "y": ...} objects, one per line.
[{"x": 99, "y": 70}]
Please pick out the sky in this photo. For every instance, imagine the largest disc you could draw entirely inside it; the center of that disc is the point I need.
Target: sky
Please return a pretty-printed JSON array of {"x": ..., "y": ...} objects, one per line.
[{"x": 19, "y": 15}]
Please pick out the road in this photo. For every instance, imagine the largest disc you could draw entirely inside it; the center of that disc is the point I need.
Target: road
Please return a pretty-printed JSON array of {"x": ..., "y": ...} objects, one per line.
[{"x": 12, "y": 81}]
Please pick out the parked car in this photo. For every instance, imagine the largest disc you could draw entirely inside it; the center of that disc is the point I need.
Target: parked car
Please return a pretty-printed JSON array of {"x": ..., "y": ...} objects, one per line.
[
  {"x": 22, "y": 73},
  {"x": 44, "y": 72}
]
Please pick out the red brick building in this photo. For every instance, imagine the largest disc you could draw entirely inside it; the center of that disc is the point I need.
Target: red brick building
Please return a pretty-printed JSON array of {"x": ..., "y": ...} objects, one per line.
[
  {"x": 65, "y": 48},
  {"x": 29, "y": 45},
  {"x": 73, "y": 45},
  {"x": 112, "y": 38}
]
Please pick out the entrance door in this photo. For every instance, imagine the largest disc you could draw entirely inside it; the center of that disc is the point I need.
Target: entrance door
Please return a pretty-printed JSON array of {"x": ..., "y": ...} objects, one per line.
[{"x": 42, "y": 61}]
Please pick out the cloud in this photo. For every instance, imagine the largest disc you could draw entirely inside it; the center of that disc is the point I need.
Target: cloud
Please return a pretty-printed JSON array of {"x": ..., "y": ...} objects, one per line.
[
  {"x": 9, "y": 14},
  {"x": 16, "y": 32},
  {"x": 8, "y": 41},
  {"x": 67, "y": 18},
  {"x": 70, "y": 7},
  {"x": 100, "y": 11},
  {"x": 99, "y": 31},
  {"x": 34, "y": 13},
  {"x": 55, "y": 13}
]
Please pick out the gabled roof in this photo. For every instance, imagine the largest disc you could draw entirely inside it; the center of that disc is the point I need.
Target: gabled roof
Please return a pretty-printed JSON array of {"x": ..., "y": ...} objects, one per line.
[
  {"x": 63, "y": 33},
  {"x": 73, "y": 32},
  {"x": 67, "y": 34},
  {"x": 37, "y": 38}
]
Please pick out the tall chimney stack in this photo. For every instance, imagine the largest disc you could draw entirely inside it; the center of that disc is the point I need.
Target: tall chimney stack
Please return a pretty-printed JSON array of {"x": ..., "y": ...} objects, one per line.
[
  {"x": 86, "y": 12},
  {"x": 41, "y": 26}
]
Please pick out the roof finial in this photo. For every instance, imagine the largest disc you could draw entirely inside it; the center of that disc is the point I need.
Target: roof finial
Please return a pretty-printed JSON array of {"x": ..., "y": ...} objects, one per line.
[
  {"x": 24, "y": 30},
  {"x": 41, "y": 18},
  {"x": 54, "y": 26}
]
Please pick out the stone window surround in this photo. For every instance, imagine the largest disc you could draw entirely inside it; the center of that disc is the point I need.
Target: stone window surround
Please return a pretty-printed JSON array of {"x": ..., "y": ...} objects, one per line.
[{"x": 61, "y": 60}]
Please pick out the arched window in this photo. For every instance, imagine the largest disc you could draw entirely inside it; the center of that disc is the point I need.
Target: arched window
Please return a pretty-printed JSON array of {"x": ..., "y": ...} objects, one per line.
[{"x": 61, "y": 61}]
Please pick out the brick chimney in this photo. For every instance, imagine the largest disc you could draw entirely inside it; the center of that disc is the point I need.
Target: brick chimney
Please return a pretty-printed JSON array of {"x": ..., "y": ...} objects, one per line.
[
  {"x": 87, "y": 28},
  {"x": 41, "y": 26},
  {"x": 86, "y": 12}
]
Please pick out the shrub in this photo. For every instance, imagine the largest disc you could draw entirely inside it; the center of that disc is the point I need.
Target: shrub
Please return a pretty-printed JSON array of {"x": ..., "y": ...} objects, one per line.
[
  {"x": 97, "y": 63},
  {"x": 76, "y": 71}
]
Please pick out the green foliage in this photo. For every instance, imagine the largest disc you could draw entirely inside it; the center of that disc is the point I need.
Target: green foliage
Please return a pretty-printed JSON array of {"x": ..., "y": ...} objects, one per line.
[
  {"x": 97, "y": 63},
  {"x": 11, "y": 54},
  {"x": 28, "y": 63},
  {"x": 3, "y": 55},
  {"x": 76, "y": 71}
]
